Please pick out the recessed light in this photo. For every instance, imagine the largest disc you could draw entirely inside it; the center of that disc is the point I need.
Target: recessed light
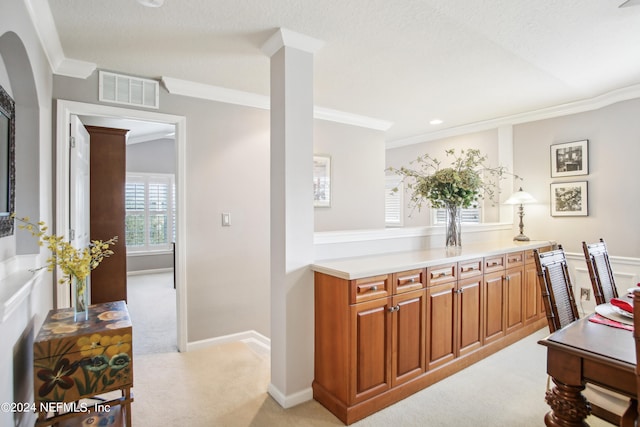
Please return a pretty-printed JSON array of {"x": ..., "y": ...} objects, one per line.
[{"x": 435, "y": 122}]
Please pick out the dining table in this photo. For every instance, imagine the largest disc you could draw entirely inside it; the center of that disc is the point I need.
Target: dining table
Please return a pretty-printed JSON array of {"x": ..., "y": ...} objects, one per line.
[{"x": 587, "y": 352}]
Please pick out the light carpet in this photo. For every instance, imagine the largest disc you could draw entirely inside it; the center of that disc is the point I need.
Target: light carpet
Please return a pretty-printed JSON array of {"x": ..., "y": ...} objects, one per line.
[
  {"x": 225, "y": 385},
  {"x": 151, "y": 301}
]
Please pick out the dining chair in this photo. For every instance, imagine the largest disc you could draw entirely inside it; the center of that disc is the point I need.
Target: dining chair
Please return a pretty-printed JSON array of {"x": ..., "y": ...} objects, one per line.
[
  {"x": 600, "y": 272},
  {"x": 560, "y": 305}
]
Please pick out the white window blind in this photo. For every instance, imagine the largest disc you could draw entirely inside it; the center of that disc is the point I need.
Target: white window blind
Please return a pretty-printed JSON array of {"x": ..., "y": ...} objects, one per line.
[
  {"x": 150, "y": 212},
  {"x": 469, "y": 216},
  {"x": 393, "y": 209}
]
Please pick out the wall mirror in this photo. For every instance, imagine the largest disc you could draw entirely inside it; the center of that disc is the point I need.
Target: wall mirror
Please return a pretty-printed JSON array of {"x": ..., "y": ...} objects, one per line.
[{"x": 7, "y": 162}]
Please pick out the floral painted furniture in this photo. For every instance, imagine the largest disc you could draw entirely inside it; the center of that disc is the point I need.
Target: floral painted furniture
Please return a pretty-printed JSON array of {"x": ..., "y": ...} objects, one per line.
[{"x": 77, "y": 361}]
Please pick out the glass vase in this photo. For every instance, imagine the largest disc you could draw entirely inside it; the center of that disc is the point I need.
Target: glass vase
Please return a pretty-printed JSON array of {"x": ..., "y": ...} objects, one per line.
[
  {"x": 80, "y": 298},
  {"x": 453, "y": 228}
]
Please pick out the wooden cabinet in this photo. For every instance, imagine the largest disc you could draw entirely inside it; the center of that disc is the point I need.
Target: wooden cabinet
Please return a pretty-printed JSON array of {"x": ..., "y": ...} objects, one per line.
[
  {"x": 371, "y": 349},
  {"x": 380, "y": 338}
]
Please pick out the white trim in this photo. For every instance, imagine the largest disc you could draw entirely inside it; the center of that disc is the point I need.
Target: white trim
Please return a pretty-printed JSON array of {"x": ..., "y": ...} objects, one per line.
[
  {"x": 248, "y": 99},
  {"x": 291, "y": 400},
  {"x": 145, "y": 272},
  {"x": 251, "y": 335},
  {"x": 330, "y": 115},
  {"x": 285, "y": 37},
  {"x": 42, "y": 19},
  {"x": 65, "y": 109},
  {"x": 149, "y": 253},
  {"x": 600, "y": 101},
  {"x": 332, "y": 237}
]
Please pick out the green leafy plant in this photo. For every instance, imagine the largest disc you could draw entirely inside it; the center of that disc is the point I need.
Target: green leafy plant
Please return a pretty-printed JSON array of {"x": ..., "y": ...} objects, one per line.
[
  {"x": 74, "y": 262},
  {"x": 467, "y": 180}
]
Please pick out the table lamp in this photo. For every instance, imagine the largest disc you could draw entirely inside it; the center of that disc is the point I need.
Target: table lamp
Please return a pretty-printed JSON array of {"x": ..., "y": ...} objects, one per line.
[{"x": 520, "y": 198}]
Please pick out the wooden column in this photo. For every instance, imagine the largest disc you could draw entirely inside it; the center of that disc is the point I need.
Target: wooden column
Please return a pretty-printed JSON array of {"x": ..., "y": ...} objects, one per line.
[{"x": 107, "y": 176}]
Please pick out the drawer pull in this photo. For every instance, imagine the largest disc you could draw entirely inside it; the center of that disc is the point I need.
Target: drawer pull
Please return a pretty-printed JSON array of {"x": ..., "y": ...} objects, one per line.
[
  {"x": 411, "y": 280},
  {"x": 442, "y": 274},
  {"x": 373, "y": 288},
  {"x": 494, "y": 263},
  {"x": 466, "y": 269}
]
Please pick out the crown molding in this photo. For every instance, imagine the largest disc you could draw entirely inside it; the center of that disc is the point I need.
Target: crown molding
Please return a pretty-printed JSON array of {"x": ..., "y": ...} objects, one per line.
[
  {"x": 231, "y": 96},
  {"x": 287, "y": 38},
  {"x": 40, "y": 14},
  {"x": 600, "y": 101}
]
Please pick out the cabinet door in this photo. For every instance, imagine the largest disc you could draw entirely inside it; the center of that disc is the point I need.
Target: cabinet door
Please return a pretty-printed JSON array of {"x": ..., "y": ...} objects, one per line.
[
  {"x": 494, "y": 318},
  {"x": 441, "y": 324},
  {"x": 514, "y": 298},
  {"x": 370, "y": 349},
  {"x": 408, "y": 336},
  {"x": 470, "y": 315}
]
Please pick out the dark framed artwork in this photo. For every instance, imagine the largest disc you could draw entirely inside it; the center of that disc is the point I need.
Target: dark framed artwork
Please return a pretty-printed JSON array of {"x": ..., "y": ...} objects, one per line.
[
  {"x": 570, "y": 159},
  {"x": 7, "y": 162},
  {"x": 569, "y": 199}
]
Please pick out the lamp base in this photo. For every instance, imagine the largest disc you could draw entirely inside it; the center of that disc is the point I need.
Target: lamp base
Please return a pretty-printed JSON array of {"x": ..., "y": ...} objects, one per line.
[{"x": 521, "y": 238}]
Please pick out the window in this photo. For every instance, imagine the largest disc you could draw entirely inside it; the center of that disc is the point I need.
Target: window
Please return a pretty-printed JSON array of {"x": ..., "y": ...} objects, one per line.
[
  {"x": 469, "y": 216},
  {"x": 393, "y": 201},
  {"x": 150, "y": 212}
]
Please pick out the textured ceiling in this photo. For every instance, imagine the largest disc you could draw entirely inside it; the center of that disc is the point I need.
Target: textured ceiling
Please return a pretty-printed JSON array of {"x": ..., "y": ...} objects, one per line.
[{"x": 406, "y": 61}]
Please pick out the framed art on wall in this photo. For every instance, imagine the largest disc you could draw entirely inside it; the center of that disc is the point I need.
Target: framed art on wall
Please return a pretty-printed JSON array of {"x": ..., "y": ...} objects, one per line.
[
  {"x": 569, "y": 199},
  {"x": 570, "y": 159},
  {"x": 321, "y": 181}
]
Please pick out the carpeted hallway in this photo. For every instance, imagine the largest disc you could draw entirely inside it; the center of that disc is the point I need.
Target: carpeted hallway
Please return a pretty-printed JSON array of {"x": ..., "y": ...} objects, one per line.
[
  {"x": 151, "y": 301},
  {"x": 225, "y": 385}
]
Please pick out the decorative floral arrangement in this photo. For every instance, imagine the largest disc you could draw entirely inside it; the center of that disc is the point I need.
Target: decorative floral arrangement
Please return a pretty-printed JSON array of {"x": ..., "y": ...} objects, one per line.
[
  {"x": 72, "y": 261},
  {"x": 462, "y": 184}
]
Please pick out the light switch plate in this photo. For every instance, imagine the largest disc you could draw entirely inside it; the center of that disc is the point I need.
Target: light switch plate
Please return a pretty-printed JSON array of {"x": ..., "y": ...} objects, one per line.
[{"x": 226, "y": 219}]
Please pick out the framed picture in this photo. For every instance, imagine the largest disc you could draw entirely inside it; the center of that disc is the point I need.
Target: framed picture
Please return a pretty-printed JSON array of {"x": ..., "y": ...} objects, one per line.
[
  {"x": 570, "y": 159},
  {"x": 569, "y": 199},
  {"x": 321, "y": 181}
]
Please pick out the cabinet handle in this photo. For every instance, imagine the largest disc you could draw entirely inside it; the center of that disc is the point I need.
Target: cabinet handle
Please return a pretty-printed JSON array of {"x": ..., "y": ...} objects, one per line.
[
  {"x": 373, "y": 288},
  {"x": 507, "y": 278},
  {"x": 411, "y": 280},
  {"x": 442, "y": 274},
  {"x": 394, "y": 309}
]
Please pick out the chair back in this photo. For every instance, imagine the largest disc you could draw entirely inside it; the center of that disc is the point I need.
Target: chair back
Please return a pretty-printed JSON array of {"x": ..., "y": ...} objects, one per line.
[
  {"x": 556, "y": 288},
  {"x": 600, "y": 272}
]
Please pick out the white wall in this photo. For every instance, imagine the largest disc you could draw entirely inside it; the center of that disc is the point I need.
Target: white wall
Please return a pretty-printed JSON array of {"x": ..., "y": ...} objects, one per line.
[
  {"x": 358, "y": 163},
  {"x": 613, "y": 193},
  {"x": 24, "y": 70}
]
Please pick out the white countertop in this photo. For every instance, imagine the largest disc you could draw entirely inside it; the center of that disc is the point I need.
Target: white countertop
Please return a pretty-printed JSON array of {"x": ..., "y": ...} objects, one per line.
[{"x": 373, "y": 265}]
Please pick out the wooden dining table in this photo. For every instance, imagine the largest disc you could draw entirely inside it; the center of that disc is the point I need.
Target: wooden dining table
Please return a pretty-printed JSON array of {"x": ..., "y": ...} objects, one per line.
[{"x": 586, "y": 352}]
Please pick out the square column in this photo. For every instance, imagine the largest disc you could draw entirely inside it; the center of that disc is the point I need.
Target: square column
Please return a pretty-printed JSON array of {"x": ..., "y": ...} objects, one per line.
[{"x": 292, "y": 224}]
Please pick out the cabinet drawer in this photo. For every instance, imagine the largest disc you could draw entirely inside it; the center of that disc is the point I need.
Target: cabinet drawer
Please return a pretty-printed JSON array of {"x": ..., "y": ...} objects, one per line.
[
  {"x": 515, "y": 259},
  {"x": 370, "y": 288},
  {"x": 407, "y": 281},
  {"x": 442, "y": 274},
  {"x": 529, "y": 257},
  {"x": 470, "y": 268},
  {"x": 494, "y": 263}
]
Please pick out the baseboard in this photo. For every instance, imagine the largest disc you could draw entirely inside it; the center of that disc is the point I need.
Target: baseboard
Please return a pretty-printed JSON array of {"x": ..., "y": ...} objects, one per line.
[
  {"x": 154, "y": 271},
  {"x": 246, "y": 336},
  {"x": 291, "y": 400}
]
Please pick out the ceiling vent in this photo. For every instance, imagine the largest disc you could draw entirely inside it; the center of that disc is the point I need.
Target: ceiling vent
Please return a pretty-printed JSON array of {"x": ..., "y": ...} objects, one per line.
[{"x": 128, "y": 90}]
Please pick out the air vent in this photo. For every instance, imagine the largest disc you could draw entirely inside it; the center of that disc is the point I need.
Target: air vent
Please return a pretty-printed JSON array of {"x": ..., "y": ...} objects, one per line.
[{"x": 128, "y": 90}]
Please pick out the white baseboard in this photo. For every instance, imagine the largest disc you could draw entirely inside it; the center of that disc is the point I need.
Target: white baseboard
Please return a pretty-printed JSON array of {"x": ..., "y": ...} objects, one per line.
[
  {"x": 246, "y": 336},
  {"x": 291, "y": 400},
  {"x": 154, "y": 271}
]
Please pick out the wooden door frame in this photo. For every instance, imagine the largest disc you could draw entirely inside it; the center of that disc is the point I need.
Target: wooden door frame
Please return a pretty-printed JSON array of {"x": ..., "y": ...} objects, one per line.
[{"x": 67, "y": 108}]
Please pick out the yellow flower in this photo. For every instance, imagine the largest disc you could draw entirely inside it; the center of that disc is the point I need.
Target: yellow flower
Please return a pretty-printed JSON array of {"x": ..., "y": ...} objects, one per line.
[
  {"x": 93, "y": 345},
  {"x": 72, "y": 261},
  {"x": 119, "y": 344}
]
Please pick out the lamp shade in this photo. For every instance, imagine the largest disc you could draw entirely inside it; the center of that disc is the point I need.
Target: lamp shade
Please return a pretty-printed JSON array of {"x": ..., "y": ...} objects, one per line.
[{"x": 520, "y": 198}]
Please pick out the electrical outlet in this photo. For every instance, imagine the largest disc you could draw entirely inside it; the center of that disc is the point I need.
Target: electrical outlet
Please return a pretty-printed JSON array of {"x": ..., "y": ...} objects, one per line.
[{"x": 585, "y": 294}]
